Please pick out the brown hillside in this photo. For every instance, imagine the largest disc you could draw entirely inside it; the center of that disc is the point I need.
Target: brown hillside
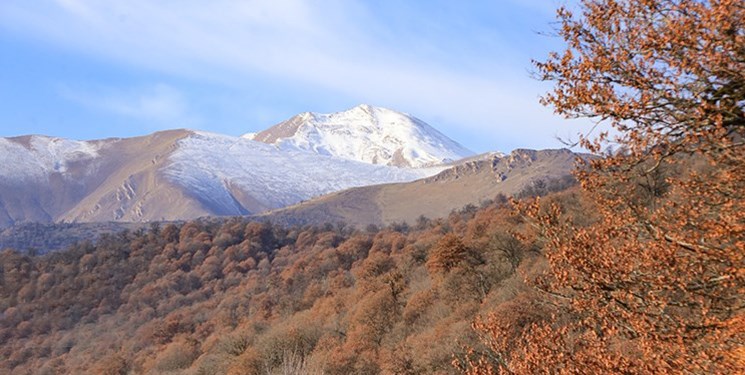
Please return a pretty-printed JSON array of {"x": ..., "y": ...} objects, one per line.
[{"x": 470, "y": 182}]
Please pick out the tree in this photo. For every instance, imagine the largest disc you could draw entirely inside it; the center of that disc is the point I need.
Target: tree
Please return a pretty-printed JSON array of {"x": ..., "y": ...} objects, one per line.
[
  {"x": 655, "y": 285},
  {"x": 448, "y": 253},
  {"x": 668, "y": 74}
]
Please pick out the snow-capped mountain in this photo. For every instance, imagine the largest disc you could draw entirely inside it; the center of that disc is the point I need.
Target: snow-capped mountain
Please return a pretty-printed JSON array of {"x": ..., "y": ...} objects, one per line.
[
  {"x": 171, "y": 175},
  {"x": 183, "y": 174},
  {"x": 273, "y": 177},
  {"x": 367, "y": 134}
]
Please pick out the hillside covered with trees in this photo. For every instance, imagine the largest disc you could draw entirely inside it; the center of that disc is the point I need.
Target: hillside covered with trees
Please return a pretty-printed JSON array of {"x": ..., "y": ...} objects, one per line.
[{"x": 246, "y": 297}]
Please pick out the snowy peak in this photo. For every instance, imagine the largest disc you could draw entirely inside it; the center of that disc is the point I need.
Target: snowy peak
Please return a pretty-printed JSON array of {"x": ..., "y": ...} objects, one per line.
[{"x": 368, "y": 134}]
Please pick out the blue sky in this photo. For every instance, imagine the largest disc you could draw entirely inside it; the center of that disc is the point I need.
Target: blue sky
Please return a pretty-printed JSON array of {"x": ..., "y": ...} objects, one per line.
[{"x": 89, "y": 69}]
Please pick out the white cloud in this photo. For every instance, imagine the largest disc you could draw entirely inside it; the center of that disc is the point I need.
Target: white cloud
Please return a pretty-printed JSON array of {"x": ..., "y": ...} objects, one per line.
[{"x": 333, "y": 44}]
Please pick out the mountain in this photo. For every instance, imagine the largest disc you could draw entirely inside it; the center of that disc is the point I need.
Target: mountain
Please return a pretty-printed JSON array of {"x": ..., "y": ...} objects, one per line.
[
  {"x": 471, "y": 181},
  {"x": 367, "y": 134},
  {"x": 170, "y": 175}
]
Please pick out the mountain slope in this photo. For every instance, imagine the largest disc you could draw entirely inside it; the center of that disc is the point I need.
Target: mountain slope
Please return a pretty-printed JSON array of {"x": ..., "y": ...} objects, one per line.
[
  {"x": 470, "y": 182},
  {"x": 177, "y": 174},
  {"x": 274, "y": 178},
  {"x": 368, "y": 134},
  {"x": 42, "y": 177}
]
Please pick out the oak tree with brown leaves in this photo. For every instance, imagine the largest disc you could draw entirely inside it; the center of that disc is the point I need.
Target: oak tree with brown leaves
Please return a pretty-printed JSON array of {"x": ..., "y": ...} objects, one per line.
[{"x": 657, "y": 283}]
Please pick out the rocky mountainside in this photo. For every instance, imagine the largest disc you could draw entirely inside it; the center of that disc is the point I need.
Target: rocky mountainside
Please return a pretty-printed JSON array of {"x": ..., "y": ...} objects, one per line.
[
  {"x": 367, "y": 134},
  {"x": 170, "y": 175},
  {"x": 472, "y": 181}
]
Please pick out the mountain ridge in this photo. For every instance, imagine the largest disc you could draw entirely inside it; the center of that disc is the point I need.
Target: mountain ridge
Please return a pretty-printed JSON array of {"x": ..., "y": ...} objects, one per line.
[
  {"x": 469, "y": 182},
  {"x": 169, "y": 175},
  {"x": 183, "y": 174},
  {"x": 365, "y": 133}
]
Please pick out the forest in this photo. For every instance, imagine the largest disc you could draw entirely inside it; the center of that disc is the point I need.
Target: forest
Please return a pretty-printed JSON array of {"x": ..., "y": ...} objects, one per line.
[
  {"x": 245, "y": 297},
  {"x": 639, "y": 269}
]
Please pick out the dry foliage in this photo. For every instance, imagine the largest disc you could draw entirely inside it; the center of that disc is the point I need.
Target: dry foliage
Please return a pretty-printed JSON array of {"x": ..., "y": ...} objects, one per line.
[
  {"x": 656, "y": 284},
  {"x": 238, "y": 297}
]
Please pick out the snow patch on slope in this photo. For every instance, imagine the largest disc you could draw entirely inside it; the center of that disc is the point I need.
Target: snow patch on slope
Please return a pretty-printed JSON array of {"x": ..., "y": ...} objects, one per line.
[
  {"x": 210, "y": 164},
  {"x": 368, "y": 134},
  {"x": 36, "y": 157}
]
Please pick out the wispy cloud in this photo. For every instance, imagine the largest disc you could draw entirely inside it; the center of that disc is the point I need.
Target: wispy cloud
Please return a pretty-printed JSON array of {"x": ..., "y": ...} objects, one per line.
[
  {"x": 159, "y": 103},
  {"x": 340, "y": 46}
]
